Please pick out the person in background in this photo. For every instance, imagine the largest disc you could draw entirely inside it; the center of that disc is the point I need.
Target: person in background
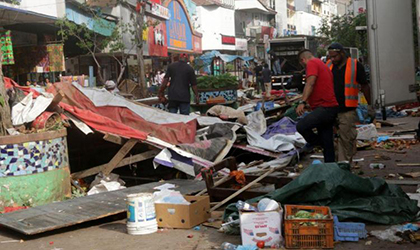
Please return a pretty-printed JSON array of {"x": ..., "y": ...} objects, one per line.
[
  {"x": 47, "y": 82},
  {"x": 349, "y": 76},
  {"x": 179, "y": 77},
  {"x": 319, "y": 94},
  {"x": 266, "y": 75},
  {"x": 159, "y": 77},
  {"x": 41, "y": 82},
  {"x": 111, "y": 86},
  {"x": 258, "y": 75}
]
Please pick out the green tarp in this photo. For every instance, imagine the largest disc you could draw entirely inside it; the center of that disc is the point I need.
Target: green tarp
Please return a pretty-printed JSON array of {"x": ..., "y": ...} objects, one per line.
[{"x": 349, "y": 196}]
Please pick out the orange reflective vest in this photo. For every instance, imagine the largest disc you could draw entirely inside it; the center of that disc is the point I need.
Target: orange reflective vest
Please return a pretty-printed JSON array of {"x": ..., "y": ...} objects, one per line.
[{"x": 351, "y": 90}]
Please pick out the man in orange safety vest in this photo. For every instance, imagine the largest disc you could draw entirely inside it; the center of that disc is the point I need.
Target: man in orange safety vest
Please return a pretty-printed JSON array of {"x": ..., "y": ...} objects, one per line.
[{"x": 349, "y": 78}]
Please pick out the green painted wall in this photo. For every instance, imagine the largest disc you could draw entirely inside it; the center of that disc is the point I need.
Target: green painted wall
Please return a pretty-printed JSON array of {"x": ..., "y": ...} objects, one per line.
[{"x": 35, "y": 189}]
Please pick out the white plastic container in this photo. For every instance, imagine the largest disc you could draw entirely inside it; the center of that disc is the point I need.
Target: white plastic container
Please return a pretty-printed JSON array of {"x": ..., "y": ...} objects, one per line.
[{"x": 141, "y": 215}]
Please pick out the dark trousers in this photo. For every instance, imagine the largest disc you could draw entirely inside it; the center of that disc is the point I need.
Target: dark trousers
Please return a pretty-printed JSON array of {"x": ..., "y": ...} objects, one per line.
[
  {"x": 323, "y": 120},
  {"x": 183, "y": 107}
]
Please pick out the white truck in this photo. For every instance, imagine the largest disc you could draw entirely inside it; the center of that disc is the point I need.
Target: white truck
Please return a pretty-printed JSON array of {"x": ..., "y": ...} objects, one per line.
[
  {"x": 287, "y": 48},
  {"x": 391, "y": 51}
]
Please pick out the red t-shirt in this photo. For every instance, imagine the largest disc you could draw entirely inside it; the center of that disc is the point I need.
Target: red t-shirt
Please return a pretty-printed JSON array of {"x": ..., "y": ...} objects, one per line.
[{"x": 323, "y": 91}]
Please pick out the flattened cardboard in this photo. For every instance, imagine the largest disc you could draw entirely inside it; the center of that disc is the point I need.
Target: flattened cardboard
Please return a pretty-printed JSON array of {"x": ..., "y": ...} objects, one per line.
[{"x": 183, "y": 216}]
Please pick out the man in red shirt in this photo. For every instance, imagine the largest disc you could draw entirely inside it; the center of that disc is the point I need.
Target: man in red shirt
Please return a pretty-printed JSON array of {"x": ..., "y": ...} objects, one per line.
[{"x": 319, "y": 94}]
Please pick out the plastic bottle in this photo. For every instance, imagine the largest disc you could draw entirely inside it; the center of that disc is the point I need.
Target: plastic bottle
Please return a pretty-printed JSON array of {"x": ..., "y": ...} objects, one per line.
[
  {"x": 377, "y": 166},
  {"x": 241, "y": 205},
  {"x": 228, "y": 246}
]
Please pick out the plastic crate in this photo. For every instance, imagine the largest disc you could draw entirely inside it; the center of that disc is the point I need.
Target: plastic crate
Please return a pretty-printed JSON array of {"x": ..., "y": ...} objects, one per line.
[
  {"x": 301, "y": 236},
  {"x": 349, "y": 231}
]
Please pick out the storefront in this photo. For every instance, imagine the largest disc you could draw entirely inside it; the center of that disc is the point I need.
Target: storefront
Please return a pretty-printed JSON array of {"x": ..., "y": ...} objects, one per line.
[{"x": 181, "y": 37}]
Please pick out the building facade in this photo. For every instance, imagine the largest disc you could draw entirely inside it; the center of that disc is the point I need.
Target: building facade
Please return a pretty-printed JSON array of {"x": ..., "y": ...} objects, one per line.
[
  {"x": 216, "y": 21},
  {"x": 255, "y": 22}
]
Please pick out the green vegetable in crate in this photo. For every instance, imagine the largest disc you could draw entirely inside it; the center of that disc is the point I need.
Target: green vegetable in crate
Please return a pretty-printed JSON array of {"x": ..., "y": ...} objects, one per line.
[
  {"x": 217, "y": 82},
  {"x": 303, "y": 215}
]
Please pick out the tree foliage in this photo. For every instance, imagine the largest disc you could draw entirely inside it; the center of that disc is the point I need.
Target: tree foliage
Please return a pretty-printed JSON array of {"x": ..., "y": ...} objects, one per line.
[
  {"x": 87, "y": 39},
  {"x": 342, "y": 29}
]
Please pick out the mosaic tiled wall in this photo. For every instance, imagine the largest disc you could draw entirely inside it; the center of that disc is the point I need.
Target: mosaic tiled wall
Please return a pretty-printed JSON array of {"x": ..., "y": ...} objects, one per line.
[
  {"x": 33, "y": 157},
  {"x": 229, "y": 95}
]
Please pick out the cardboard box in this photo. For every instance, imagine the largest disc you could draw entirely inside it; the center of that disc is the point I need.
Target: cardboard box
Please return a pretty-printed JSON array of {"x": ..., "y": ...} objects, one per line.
[
  {"x": 183, "y": 216},
  {"x": 261, "y": 226}
]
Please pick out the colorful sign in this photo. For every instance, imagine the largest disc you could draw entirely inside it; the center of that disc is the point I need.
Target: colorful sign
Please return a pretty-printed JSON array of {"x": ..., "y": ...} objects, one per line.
[
  {"x": 157, "y": 39},
  {"x": 230, "y": 40},
  {"x": 178, "y": 29},
  {"x": 159, "y": 10}
]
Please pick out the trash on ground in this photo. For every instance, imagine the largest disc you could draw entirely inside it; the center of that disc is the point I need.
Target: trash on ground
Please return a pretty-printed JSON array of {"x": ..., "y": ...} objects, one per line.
[
  {"x": 377, "y": 166},
  {"x": 105, "y": 184}
]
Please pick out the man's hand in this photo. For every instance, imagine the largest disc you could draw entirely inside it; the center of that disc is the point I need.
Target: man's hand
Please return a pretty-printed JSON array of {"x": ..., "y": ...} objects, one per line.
[
  {"x": 197, "y": 100},
  {"x": 300, "y": 110},
  {"x": 163, "y": 99}
]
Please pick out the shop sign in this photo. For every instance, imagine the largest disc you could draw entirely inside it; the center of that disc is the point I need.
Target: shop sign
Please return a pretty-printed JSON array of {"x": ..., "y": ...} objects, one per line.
[
  {"x": 230, "y": 40},
  {"x": 178, "y": 29},
  {"x": 197, "y": 45},
  {"x": 160, "y": 11},
  {"x": 241, "y": 44},
  {"x": 157, "y": 39}
]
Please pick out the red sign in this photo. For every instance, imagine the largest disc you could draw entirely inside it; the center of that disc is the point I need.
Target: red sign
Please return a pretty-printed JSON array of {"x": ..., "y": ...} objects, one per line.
[
  {"x": 228, "y": 40},
  {"x": 157, "y": 40}
]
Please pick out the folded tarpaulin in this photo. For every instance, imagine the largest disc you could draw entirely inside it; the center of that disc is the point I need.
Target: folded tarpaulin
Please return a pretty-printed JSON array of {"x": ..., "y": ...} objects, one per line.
[
  {"x": 104, "y": 124},
  {"x": 29, "y": 108},
  {"x": 174, "y": 133},
  {"x": 257, "y": 126},
  {"x": 103, "y": 98},
  {"x": 285, "y": 126},
  {"x": 349, "y": 196}
]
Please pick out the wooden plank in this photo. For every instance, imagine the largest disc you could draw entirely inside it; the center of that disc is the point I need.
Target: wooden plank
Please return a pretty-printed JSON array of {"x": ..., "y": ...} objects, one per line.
[
  {"x": 15, "y": 139},
  {"x": 217, "y": 183},
  {"x": 57, "y": 215},
  {"x": 126, "y": 161},
  {"x": 412, "y": 175},
  {"x": 408, "y": 164},
  {"x": 403, "y": 182},
  {"x": 57, "y": 99},
  {"x": 114, "y": 139},
  {"x": 119, "y": 156},
  {"x": 242, "y": 189}
]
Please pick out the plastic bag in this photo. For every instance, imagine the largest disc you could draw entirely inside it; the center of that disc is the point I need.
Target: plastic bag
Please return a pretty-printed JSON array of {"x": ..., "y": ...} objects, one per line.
[
  {"x": 388, "y": 234},
  {"x": 166, "y": 195}
]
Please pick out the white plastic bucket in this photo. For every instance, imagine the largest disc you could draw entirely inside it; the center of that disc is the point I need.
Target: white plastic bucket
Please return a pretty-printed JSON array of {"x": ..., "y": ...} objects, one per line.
[{"x": 141, "y": 215}]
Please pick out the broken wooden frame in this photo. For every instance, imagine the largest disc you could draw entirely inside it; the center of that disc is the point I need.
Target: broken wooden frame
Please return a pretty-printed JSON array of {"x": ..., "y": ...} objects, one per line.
[
  {"x": 221, "y": 190},
  {"x": 120, "y": 159}
]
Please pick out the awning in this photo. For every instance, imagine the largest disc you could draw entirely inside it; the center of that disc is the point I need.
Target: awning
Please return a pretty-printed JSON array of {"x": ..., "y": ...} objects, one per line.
[
  {"x": 10, "y": 16},
  {"x": 100, "y": 26}
]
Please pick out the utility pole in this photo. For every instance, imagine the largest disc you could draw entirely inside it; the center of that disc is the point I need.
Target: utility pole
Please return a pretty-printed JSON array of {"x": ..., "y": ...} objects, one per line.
[
  {"x": 5, "y": 117},
  {"x": 140, "y": 10}
]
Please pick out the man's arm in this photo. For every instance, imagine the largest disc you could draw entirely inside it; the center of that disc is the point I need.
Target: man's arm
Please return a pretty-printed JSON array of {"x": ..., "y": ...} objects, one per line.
[
  {"x": 307, "y": 91},
  {"x": 194, "y": 87},
  {"x": 161, "y": 93}
]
